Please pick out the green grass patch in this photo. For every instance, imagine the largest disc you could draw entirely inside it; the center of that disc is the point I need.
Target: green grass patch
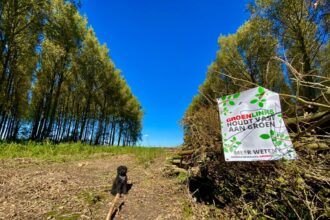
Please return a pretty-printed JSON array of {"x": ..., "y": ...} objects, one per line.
[
  {"x": 62, "y": 216},
  {"x": 91, "y": 197},
  {"x": 182, "y": 177},
  {"x": 187, "y": 211},
  {"x": 74, "y": 151}
]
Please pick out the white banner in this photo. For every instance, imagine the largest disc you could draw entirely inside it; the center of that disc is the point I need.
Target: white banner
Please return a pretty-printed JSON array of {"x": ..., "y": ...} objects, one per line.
[{"x": 252, "y": 127}]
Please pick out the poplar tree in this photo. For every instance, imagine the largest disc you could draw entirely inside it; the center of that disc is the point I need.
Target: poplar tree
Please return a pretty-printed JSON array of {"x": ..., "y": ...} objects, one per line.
[
  {"x": 302, "y": 27},
  {"x": 63, "y": 35},
  {"x": 58, "y": 81},
  {"x": 21, "y": 24}
]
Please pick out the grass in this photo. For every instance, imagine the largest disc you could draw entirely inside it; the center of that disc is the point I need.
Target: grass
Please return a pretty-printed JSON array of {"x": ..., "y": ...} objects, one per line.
[
  {"x": 182, "y": 177},
  {"x": 73, "y": 151},
  {"x": 62, "y": 216},
  {"x": 187, "y": 211},
  {"x": 91, "y": 197}
]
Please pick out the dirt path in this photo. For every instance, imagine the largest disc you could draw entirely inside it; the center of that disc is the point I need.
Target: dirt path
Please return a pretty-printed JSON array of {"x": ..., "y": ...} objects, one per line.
[{"x": 32, "y": 189}]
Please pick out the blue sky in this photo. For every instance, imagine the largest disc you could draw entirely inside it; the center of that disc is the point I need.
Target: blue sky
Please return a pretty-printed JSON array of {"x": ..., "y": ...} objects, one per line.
[{"x": 163, "y": 49}]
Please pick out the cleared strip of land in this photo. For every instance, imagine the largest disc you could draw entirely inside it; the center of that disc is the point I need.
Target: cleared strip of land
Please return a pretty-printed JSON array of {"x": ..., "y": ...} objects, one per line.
[{"x": 35, "y": 188}]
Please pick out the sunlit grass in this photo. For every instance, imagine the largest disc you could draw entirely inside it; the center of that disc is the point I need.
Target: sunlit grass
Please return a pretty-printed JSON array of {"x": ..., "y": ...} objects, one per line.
[{"x": 74, "y": 151}]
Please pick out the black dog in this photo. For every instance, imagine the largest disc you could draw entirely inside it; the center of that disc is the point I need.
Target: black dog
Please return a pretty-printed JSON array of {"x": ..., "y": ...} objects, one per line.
[{"x": 120, "y": 183}]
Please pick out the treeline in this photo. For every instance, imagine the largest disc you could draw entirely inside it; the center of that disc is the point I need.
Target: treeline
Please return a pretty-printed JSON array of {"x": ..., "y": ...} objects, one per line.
[
  {"x": 285, "y": 47},
  {"x": 57, "y": 82}
]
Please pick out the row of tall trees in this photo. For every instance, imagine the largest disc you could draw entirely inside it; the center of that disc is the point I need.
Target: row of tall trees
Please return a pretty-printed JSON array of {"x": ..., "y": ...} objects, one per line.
[
  {"x": 57, "y": 82},
  {"x": 294, "y": 31}
]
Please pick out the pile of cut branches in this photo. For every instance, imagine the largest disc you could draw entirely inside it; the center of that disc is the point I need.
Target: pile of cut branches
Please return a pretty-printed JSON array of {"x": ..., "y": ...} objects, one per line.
[{"x": 298, "y": 189}]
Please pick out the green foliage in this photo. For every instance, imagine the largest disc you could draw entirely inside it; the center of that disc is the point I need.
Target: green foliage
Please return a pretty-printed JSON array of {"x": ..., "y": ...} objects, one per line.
[
  {"x": 301, "y": 29},
  {"x": 187, "y": 211},
  {"x": 92, "y": 197},
  {"x": 74, "y": 151},
  {"x": 57, "y": 81},
  {"x": 183, "y": 177},
  {"x": 62, "y": 215},
  {"x": 293, "y": 29},
  {"x": 21, "y": 24},
  {"x": 297, "y": 31}
]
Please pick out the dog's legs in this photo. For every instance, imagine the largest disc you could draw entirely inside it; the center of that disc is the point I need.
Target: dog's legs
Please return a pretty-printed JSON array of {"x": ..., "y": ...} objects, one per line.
[
  {"x": 118, "y": 187},
  {"x": 114, "y": 188},
  {"x": 124, "y": 188}
]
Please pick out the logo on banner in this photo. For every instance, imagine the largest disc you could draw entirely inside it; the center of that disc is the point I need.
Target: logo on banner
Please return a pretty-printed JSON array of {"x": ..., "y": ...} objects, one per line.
[{"x": 252, "y": 127}]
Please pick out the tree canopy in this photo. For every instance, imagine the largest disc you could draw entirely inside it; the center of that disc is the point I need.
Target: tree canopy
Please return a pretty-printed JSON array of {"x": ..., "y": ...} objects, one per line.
[
  {"x": 57, "y": 81},
  {"x": 280, "y": 39},
  {"x": 284, "y": 47}
]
